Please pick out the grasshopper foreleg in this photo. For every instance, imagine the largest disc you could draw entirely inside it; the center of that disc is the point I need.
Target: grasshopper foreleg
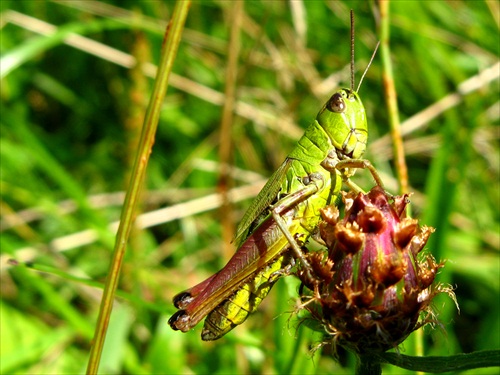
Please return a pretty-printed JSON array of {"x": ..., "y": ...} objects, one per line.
[{"x": 361, "y": 164}]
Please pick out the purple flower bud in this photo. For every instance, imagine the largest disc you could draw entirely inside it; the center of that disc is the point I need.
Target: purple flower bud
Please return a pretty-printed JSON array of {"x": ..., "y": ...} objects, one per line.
[{"x": 371, "y": 286}]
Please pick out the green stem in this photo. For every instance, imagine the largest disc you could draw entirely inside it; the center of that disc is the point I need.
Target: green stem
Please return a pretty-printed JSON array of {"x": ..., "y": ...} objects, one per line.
[
  {"x": 169, "y": 51},
  {"x": 225, "y": 139},
  {"x": 391, "y": 97},
  {"x": 368, "y": 365}
]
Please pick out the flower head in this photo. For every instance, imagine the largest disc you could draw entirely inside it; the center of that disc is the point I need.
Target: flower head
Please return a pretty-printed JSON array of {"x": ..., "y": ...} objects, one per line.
[{"x": 372, "y": 286}]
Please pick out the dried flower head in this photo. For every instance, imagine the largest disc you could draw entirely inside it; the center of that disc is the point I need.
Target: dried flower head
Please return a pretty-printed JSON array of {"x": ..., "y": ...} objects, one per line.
[{"x": 371, "y": 287}]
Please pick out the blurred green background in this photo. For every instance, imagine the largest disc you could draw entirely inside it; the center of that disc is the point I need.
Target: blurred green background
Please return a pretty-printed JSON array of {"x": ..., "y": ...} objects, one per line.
[{"x": 75, "y": 80}]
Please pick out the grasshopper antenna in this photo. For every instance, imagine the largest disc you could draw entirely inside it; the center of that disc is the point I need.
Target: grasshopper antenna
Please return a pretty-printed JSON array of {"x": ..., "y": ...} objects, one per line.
[
  {"x": 366, "y": 70},
  {"x": 352, "y": 50}
]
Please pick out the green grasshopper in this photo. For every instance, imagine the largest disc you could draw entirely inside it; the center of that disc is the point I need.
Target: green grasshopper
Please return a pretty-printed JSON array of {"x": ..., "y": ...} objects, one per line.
[{"x": 281, "y": 218}]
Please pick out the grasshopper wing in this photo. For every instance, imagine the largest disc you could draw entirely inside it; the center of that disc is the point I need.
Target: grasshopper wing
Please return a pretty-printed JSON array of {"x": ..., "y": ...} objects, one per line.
[{"x": 264, "y": 199}]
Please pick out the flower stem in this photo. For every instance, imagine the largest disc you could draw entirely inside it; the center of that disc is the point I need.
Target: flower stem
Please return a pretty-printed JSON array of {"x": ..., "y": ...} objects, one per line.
[
  {"x": 368, "y": 365},
  {"x": 391, "y": 98}
]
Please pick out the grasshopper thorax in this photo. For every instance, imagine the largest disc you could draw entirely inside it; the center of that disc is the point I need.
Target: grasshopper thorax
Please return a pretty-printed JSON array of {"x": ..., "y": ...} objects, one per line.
[{"x": 344, "y": 120}]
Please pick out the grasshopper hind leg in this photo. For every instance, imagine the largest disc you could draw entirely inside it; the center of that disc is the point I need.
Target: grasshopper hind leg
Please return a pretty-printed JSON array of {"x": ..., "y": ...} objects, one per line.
[
  {"x": 236, "y": 309},
  {"x": 180, "y": 321},
  {"x": 315, "y": 182}
]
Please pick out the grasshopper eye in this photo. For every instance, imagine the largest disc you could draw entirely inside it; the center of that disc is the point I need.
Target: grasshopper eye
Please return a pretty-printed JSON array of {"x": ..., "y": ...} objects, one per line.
[{"x": 336, "y": 103}]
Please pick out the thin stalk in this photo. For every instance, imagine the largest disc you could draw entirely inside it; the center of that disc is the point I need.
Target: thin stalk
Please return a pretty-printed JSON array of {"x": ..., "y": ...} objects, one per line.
[
  {"x": 368, "y": 365},
  {"x": 169, "y": 51},
  {"x": 391, "y": 98},
  {"x": 225, "y": 139},
  {"x": 395, "y": 125}
]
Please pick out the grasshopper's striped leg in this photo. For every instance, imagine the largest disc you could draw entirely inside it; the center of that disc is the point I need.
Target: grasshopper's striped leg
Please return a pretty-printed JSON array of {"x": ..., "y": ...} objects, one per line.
[{"x": 291, "y": 201}]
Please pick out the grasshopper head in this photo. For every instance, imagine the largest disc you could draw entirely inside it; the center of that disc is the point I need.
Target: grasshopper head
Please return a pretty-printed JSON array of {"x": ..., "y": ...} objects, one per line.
[{"x": 343, "y": 119}]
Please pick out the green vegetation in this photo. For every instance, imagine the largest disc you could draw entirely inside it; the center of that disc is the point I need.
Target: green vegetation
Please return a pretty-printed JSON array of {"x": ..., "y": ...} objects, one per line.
[{"x": 71, "y": 113}]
